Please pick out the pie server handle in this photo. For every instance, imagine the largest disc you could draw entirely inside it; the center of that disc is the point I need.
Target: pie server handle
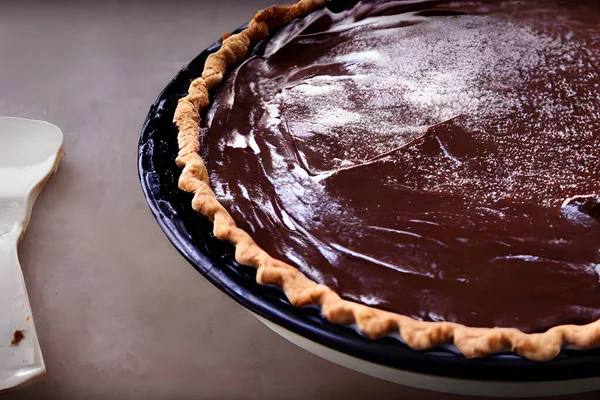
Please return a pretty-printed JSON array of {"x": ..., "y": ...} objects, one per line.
[{"x": 20, "y": 353}]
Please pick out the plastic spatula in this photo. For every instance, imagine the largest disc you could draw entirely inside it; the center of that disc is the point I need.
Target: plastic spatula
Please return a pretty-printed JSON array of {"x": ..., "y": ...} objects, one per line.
[{"x": 29, "y": 154}]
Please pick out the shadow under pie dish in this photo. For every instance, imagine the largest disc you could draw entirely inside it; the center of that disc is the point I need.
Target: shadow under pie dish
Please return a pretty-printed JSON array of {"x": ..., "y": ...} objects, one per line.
[{"x": 432, "y": 165}]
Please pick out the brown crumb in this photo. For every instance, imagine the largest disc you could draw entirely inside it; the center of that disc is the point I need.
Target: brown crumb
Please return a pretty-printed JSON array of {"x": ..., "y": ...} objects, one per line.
[{"x": 18, "y": 335}]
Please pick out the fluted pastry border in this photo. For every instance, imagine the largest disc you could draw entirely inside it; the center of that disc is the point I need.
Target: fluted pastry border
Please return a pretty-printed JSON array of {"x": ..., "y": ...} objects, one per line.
[{"x": 300, "y": 290}]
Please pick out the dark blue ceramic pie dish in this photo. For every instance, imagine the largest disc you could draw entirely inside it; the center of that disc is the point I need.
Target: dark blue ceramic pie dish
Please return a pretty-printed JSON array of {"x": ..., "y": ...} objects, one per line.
[{"x": 192, "y": 235}]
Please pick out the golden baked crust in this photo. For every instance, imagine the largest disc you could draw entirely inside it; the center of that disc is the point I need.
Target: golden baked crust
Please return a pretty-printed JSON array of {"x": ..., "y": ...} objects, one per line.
[{"x": 419, "y": 335}]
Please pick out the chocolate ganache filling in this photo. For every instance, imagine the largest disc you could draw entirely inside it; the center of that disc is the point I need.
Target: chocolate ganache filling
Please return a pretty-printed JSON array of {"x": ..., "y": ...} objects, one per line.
[{"x": 436, "y": 159}]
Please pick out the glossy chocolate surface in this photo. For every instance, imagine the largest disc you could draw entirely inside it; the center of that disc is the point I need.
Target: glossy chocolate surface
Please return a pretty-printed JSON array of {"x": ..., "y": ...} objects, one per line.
[{"x": 440, "y": 160}]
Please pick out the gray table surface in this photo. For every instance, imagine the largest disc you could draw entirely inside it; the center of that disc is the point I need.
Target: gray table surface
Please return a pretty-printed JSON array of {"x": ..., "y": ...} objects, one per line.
[{"x": 118, "y": 312}]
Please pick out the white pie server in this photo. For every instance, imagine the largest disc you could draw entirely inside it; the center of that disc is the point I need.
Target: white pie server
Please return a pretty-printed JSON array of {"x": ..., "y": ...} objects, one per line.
[{"x": 29, "y": 153}]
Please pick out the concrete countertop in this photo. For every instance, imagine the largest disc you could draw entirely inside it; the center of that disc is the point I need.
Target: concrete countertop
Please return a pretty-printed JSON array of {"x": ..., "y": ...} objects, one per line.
[{"x": 119, "y": 313}]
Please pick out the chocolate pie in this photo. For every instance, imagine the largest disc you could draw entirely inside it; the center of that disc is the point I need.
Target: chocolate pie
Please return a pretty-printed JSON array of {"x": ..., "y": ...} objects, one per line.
[{"x": 430, "y": 168}]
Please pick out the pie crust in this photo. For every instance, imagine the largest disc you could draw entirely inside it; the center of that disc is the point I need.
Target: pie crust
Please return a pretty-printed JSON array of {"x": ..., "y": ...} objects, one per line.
[{"x": 472, "y": 342}]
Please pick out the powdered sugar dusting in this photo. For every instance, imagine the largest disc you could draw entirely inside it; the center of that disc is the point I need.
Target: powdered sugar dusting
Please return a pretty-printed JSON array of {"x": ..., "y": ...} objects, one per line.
[
  {"x": 501, "y": 75},
  {"x": 391, "y": 93}
]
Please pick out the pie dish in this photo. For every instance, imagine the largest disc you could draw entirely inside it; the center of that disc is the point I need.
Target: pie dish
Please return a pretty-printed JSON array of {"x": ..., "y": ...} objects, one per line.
[{"x": 519, "y": 88}]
